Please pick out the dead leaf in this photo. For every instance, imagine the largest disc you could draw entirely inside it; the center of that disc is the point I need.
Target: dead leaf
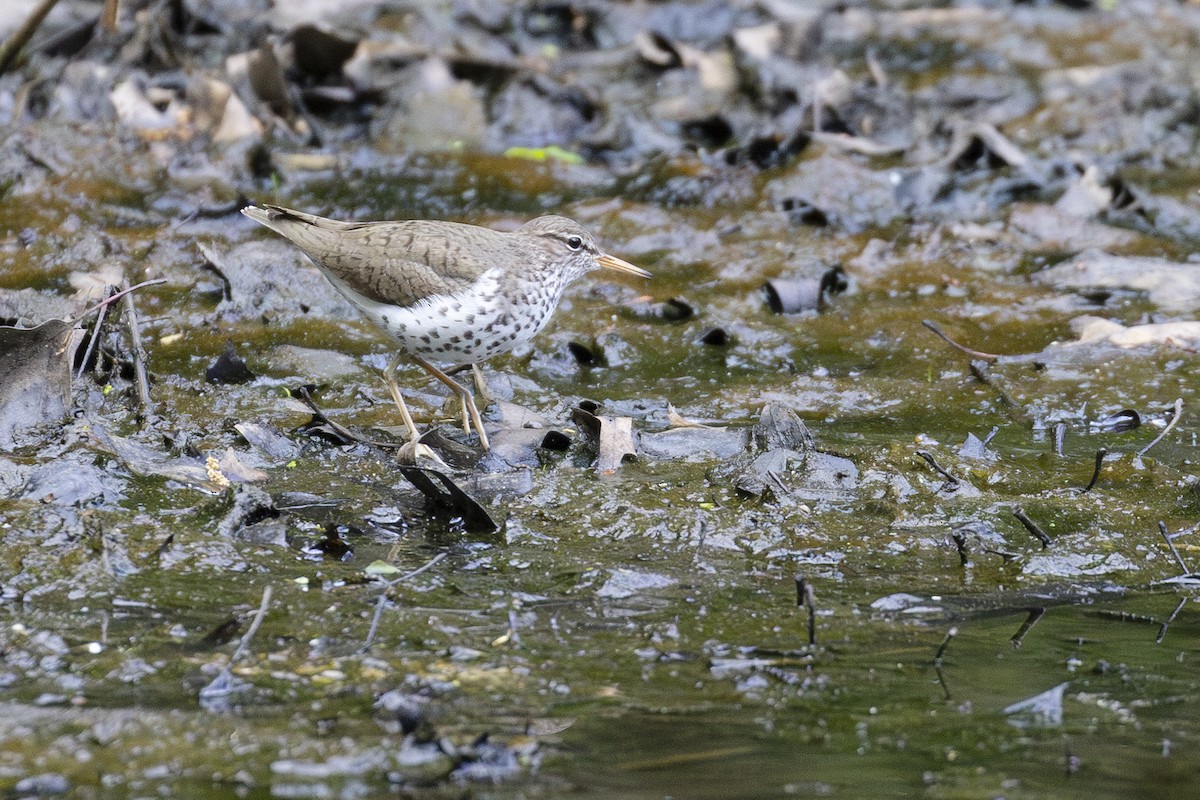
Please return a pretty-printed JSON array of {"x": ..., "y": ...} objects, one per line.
[{"x": 35, "y": 379}]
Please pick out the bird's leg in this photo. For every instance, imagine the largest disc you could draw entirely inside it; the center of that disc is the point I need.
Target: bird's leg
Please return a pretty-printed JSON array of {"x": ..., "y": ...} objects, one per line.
[
  {"x": 389, "y": 377},
  {"x": 464, "y": 397},
  {"x": 481, "y": 391}
]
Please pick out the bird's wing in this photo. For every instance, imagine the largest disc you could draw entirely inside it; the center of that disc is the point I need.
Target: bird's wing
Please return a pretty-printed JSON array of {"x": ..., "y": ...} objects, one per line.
[{"x": 391, "y": 262}]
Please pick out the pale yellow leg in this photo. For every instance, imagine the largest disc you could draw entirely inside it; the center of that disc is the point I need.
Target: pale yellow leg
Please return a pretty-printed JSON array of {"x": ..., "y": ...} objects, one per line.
[
  {"x": 464, "y": 396},
  {"x": 481, "y": 390},
  {"x": 389, "y": 377}
]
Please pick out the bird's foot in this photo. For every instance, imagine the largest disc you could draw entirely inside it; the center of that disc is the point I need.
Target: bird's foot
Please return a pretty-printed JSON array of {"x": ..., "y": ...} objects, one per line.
[{"x": 416, "y": 454}]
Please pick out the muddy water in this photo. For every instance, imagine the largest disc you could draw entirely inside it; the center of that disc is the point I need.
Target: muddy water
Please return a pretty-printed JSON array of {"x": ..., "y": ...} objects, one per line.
[{"x": 634, "y": 634}]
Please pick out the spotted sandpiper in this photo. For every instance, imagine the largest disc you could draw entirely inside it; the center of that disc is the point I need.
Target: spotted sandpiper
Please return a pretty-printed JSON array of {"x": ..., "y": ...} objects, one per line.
[{"x": 446, "y": 291}]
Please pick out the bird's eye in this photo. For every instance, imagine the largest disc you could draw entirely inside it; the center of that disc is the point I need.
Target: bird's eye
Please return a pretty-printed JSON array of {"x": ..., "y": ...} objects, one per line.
[{"x": 575, "y": 243}]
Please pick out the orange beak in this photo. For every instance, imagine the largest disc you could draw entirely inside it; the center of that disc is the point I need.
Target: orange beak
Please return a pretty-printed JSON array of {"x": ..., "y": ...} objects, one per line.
[{"x": 612, "y": 262}]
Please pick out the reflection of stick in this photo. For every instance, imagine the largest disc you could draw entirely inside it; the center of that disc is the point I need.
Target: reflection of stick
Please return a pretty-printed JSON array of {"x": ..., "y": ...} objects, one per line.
[
  {"x": 807, "y": 598},
  {"x": 263, "y": 605},
  {"x": 972, "y": 353},
  {"x": 383, "y": 598},
  {"x": 20, "y": 37},
  {"x": 937, "y": 660},
  {"x": 1174, "y": 418}
]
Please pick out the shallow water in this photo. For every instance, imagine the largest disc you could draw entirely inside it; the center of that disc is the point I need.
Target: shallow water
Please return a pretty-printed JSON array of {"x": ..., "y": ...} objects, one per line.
[{"x": 634, "y": 634}]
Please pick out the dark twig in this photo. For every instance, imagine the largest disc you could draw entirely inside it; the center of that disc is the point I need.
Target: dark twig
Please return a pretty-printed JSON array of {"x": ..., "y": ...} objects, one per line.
[
  {"x": 1178, "y": 410},
  {"x": 960, "y": 541},
  {"x": 941, "y": 651},
  {"x": 1162, "y": 632},
  {"x": 1032, "y": 526},
  {"x": 1100, "y": 454},
  {"x": 215, "y": 212},
  {"x": 1162, "y": 528},
  {"x": 102, "y": 308},
  {"x": 979, "y": 369},
  {"x": 379, "y": 605},
  {"x": 139, "y": 359},
  {"x": 21, "y": 36},
  {"x": 933, "y": 326},
  {"x": 341, "y": 430},
  {"x": 807, "y": 598},
  {"x": 1035, "y": 614},
  {"x": 938, "y": 468}
]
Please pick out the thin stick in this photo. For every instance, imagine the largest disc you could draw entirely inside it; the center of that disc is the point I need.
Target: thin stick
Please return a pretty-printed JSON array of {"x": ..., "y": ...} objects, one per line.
[
  {"x": 928, "y": 456},
  {"x": 1162, "y": 632},
  {"x": 963, "y": 348},
  {"x": 941, "y": 651},
  {"x": 1100, "y": 454},
  {"x": 379, "y": 605},
  {"x": 1174, "y": 419},
  {"x": 263, "y": 605},
  {"x": 1035, "y": 614},
  {"x": 979, "y": 368},
  {"x": 21, "y": 36},
  {"x": 1032, "y": 527},
  {"x": 115, "y": 297},
  {"x": 1162, "y": 528},
  {"x": 102, "y": 307},
  {"x": 139, "y": 359}
]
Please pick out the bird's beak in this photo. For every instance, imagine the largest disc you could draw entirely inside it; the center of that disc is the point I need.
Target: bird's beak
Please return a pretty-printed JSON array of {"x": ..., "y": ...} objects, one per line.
[{"x": 612, "y": 262}]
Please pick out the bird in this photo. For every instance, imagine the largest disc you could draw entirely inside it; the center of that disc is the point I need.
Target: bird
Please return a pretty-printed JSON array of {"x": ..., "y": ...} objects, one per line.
[{"x": 446, "y": 291}]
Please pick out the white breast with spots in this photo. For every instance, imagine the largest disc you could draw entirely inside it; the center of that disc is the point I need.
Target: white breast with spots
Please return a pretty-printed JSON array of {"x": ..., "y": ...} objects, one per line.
[{"x": 460, "y": 328}]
